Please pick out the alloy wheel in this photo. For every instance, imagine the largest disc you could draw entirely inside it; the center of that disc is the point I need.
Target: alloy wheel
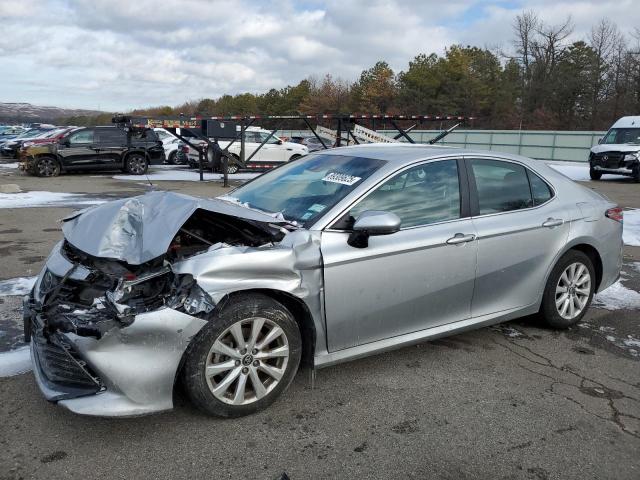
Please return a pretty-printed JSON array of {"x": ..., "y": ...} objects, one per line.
[
  {"x": 247, "y": 361},
  {"x": 47, "y": 167},
  {"x": 573, "y": 290},
  {"x": 137, "y": 165},
  {"x": 232, "y": 168}
]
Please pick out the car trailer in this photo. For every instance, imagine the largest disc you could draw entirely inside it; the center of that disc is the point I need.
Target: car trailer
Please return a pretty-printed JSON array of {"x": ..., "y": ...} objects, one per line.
[{"x": 348, "y": 126}]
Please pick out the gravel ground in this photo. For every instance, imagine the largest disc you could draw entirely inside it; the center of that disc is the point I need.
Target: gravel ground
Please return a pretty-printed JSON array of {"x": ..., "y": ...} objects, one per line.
[{"x": 516, "y": 401}]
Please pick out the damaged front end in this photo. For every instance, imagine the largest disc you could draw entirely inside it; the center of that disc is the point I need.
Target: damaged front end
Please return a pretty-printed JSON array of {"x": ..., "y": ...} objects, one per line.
[{"x": 119, "y": 300}]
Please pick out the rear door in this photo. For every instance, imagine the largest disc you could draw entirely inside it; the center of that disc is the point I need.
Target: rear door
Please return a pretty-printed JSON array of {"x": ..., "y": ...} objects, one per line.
[
  {"x": 417, "y": 278},
  {"x": 111, "y": 143},
  {"x": 79, "y": 149},
  {"x": 520, "y": 230}
]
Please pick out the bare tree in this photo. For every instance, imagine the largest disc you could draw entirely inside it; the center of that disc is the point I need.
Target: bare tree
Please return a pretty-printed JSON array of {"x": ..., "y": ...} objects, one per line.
[{"x": 603, "y": 39}]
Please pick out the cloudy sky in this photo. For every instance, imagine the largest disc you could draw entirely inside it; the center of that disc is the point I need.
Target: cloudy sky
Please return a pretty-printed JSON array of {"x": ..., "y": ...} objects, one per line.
[{"x": 121, "y": 54}]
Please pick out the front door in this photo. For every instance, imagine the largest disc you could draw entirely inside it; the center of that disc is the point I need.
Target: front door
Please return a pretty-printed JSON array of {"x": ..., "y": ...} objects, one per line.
[
  {"x": 520, "y": 231},
  {"x": 417, "y": 278},
  {"x": 79, "y": 150}
]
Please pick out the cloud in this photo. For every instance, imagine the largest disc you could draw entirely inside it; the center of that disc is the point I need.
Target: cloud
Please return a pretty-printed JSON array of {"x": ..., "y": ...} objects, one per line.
[{"x": 119, "y": 54}]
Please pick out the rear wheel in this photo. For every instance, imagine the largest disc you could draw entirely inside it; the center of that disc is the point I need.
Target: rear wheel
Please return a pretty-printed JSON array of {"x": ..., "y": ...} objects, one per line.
[
  {"x": 243, "y": 359},
  {"x": 136, "y": 164},
  {"x": 295, "y": 157},
  {"x": 172, "y": 158},
  {"x": 636, "y": 174},
  {"x": 594, "y": 174},
  {"x": 569, "y": 290},
  {"x": 232, "y": 167},
  {"x": 47, "y": 167}
]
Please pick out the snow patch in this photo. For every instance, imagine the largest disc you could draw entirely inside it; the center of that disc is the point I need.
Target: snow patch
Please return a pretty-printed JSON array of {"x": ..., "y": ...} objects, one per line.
[
  {"x": 617, "y": 297},
  {"x": 15, "y": 362},
  {"x": 631, "y": 228},
  {"x": 9, "y": 165},
  {"x": 45, "y": 199},
  {"x": 17, "y": 286},
  {"x": 574, "y": 172}
]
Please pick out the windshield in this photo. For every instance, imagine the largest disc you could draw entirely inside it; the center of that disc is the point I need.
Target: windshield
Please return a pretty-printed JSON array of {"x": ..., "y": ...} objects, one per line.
[
  {"x": 622, "y": 135},
  {"x": 302, "y": 190}
]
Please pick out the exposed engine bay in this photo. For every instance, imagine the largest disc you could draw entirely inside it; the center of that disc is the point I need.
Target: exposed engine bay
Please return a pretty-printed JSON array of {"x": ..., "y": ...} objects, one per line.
[{"x": 115, "y": 291}]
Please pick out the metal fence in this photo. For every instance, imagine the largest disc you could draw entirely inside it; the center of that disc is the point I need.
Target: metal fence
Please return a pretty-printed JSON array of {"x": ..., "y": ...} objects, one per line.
[{"x": 543, "y": 145}]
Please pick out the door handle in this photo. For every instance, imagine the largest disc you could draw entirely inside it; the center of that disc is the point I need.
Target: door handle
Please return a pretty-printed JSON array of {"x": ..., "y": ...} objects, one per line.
[
  {"x": 552, "y": 222},
  {"x": 461, "y": 238}
]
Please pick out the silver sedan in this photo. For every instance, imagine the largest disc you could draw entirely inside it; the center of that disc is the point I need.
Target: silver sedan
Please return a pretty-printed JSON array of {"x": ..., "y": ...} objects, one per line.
[{"x": 341, "y": 254}]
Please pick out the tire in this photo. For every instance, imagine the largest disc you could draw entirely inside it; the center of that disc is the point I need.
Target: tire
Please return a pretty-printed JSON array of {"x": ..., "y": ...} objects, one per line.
[
  {"x": 216, "y": 345},
  {"x": 136, "y": 164},
  {"x": 635, "y": 174},
  {"x": 47, "y": 167},
  {"x": 172, "y": 158},
  {"x": 594, "y": 174},
  {"x": 556, "y": 312},
  {"x": 232, "y": 167},
  {"x": 295, "y": 157}
]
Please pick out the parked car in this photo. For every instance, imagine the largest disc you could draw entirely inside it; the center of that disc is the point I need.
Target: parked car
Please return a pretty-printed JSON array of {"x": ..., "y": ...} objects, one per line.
[
  {"x": 171, "y": 149},
  {"x": 12, "y": 148},
  {"x": 312, "y": 142},
  {"x": 24, "y": 135},
  {"x": 273, "y": 153},
  {"x": 618, "y": 152},
  {"x": 95, "y": 148},
  {"x": 340, "y": 254}
]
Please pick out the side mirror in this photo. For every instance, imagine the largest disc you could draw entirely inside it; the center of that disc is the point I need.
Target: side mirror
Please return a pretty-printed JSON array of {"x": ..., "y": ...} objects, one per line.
[
  {"x": 373, "y": 222},
  {"x": 279, "y": 142}
]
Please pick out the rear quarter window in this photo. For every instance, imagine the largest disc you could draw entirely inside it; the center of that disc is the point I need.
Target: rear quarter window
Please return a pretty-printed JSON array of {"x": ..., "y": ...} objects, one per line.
[{"x": 540, "y": 190}]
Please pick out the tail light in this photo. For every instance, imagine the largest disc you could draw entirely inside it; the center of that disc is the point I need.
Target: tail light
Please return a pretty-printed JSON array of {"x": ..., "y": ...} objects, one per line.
[
  {"x": 615, "y": 213},
  {"x": 184, "y": 149}
]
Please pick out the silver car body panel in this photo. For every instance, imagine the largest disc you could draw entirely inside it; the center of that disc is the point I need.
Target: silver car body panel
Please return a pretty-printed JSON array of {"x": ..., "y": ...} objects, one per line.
[
  {"x": 136, "y": 230},
  {"x": 403, "y": 288}
]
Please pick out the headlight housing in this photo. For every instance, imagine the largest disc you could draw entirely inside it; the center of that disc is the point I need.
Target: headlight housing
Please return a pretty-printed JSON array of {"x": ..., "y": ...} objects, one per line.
[{"x": 632, "y": 157}]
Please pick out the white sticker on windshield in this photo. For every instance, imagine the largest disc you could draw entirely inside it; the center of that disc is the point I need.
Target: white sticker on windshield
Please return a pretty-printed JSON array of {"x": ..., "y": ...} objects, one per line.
[{"x": 342, "y": 178}]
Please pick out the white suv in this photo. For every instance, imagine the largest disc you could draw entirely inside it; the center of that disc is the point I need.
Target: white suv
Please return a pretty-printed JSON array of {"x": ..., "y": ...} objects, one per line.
[
  {"x": 618, "y": 152},
  {"x": 272, "y": 153}
]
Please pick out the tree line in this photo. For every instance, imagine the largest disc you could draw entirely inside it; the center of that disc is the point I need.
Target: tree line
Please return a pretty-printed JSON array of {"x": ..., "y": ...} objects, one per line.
[{"x": 546, "y": 80}]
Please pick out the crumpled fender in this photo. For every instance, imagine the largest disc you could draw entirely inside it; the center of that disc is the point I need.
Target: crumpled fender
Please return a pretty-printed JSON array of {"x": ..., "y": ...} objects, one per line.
[{"x": 293, "y": 266}]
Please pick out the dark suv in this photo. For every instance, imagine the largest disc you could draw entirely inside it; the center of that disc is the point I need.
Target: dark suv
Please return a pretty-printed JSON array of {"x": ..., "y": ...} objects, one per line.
[{"x": 95, "y": 148}]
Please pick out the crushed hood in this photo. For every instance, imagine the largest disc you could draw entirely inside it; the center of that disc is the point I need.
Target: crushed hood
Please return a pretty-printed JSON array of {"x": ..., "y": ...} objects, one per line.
[{"x": 138, "y": 229}]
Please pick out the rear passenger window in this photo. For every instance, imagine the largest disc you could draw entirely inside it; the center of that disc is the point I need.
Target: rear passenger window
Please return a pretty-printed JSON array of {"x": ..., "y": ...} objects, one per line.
[
  {"x": 502, "y": 186},
  {"x": 111, "y": 135},
  {"x": 539, "y": 189}
]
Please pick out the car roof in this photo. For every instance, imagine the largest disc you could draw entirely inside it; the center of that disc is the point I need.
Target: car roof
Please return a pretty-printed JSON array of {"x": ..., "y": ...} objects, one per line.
[
  {"x": 627, "y": 122},
  {"x": 400, "y": 153}
]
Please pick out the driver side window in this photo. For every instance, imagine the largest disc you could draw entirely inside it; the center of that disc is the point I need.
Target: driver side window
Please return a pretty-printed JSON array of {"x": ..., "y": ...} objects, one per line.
[
  {"x": 84, "y": 136},
  {"x": 422, "y": 195}
]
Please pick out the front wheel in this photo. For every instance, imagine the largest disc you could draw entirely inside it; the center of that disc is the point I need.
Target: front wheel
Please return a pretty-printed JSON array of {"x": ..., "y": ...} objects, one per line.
[
  {"x": 243, "y": 358},
  {"x": 136, "y": 164},
  {"x": 569, "y": 290},
  {"x": 636, "y": 174},
  {"x": 47, "y": 167},
  {"x": 594, "y": 174},
  {"x": 172, "y": 158}
]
